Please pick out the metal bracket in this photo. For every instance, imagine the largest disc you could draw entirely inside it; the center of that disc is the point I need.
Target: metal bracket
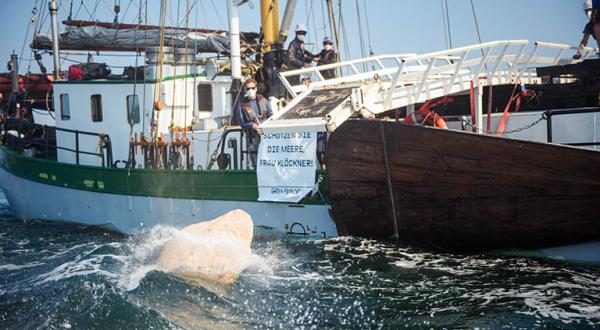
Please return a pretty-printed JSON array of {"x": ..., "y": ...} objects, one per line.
[{"x": 357, "y": 99}]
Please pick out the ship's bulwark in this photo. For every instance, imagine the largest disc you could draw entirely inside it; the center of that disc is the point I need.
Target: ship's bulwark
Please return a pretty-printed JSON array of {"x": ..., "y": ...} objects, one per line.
[{"x": 461, "y": 191}]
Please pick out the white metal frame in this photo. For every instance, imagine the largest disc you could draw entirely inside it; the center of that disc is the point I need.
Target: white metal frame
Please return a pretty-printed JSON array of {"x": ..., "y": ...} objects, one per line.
[{"x": 417, "y": 78}]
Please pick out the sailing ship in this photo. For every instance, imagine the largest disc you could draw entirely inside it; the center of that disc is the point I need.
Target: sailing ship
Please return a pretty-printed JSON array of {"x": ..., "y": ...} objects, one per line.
[{"x": 159, "y": 144}]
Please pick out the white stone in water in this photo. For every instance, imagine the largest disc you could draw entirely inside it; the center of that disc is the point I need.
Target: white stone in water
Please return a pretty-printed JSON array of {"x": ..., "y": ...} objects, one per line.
[{"x": 216, "y": 250}]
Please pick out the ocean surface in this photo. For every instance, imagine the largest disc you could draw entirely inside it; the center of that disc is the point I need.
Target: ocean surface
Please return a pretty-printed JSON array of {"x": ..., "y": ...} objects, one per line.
[{"x": 66, "y": 276}]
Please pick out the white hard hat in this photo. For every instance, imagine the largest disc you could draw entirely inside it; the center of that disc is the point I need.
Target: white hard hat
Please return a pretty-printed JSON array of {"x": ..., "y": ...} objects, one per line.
[
  {"x": 587, "y": 5},
  {"x": 301, "y": 28}
]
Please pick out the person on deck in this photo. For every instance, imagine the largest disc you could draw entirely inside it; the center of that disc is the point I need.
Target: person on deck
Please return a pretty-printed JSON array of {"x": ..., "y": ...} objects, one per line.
[
  {"x": 596, "y": 19},
  {"x": 298, "y": 57},
  {"x": 253, "y": 110},
  {"x": 587, "y": 31},
  {"x": 327, "y": 56}
]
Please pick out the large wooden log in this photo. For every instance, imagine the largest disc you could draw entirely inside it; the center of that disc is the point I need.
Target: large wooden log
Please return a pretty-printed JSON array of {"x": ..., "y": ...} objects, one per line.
[{"x": 462, "y": 191}]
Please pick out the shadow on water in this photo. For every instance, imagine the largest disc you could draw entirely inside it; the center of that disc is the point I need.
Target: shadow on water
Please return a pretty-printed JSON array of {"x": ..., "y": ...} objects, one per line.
[{"x": 57, "y": 275}]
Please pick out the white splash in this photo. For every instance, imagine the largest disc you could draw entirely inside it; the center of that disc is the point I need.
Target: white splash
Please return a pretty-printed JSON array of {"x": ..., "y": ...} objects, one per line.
[
  {"x": 217, "y": 251},
  {"x": 12, "y": 267}
]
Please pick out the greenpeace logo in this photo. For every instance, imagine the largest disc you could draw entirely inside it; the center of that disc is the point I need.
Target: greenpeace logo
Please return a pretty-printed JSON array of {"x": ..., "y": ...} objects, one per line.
[{"x": 285, "y": 191}]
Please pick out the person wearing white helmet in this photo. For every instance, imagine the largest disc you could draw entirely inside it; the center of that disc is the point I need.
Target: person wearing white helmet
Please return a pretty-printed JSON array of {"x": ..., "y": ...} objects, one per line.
[
  {"x": 298, "y": 57},
  {"x": 301, "y": 29},
  {"x": 588, "y": 30},
  {"x": 588, "y": 9}
]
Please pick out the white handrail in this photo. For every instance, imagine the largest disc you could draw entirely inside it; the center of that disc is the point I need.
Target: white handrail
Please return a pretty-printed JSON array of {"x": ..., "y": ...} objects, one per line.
[
  {"x": 377, "y": 58},
  {"x": 411, "y": 78}
]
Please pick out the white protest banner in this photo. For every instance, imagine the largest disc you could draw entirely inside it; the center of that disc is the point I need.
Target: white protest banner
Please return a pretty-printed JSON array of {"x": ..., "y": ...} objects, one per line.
[{"x": 286, "y": 166}]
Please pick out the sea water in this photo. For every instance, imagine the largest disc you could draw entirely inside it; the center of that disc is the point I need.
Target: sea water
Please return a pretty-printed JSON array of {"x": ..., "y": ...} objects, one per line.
[{"x": 67, "y": 276}]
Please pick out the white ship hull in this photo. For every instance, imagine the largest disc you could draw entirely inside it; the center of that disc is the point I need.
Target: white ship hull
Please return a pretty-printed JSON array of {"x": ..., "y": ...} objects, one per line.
[{"x": 131, "y": 214}]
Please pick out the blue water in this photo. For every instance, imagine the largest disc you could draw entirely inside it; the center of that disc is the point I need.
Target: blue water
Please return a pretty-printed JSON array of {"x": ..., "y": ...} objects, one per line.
[{"x": 66, "y": 276}]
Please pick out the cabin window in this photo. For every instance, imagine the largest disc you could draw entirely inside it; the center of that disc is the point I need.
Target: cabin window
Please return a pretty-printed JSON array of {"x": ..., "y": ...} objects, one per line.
[
  {"x": 133, "y": 109},
  {"x": 205, "y": 101},
  {"x": 96, "y": 101},
  {"x": 65, "y": 107}
]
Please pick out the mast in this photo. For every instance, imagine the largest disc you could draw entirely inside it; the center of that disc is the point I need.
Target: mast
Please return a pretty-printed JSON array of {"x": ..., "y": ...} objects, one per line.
[
  {"x": 333, "y": 28},
  {"x": 273, "y": 52},
  {"x": 269, "y": 17},
  {"x": 284, "y": 31},
  {"x": 14, "y": 72},
  {"x": 53, "y": 7},
  {"x": 234, "y": 36},
  {"x": 235, "y": 54}
]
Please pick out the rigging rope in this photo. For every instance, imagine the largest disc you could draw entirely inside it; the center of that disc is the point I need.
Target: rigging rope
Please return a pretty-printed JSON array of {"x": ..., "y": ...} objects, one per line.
[
  {"x": 145, "y": 38},
  {"x": 31, "y": 21},
  {"x": 70, "y": 11},
  {"x": 172, "y": 125},
  {"x": 108, "y": 7},
  {"x": 445, "y": 25},
  {"x": 477, "y": 29},
  {"x": 476, "y": 22},
  {"x": 360, "y": 34},
  {"x": 126, "y": 11},
  {"x": 82, "y": 5},
  {"x": 448, "y": 24},
  {"x": 371, "y": 53},
  {"x": 203, "y": 14},
  {"x": 195, "y": 114},
  {"x": 320, "y": 30},
  {"x": 93, "y": 15},
  {"x": 45, "y": 14},
  {"x": 311, "y": 17},
  {"x": 218, "y": 15},
  {"x": 131, "y": 107},
  {"x": 37, "y": 22},
  {"x": 308, "y": 40},
  {"x": 324, "y": 21},
  {"x": 188, "y": 11},
  {"x": 185, "y": 93},
  {"x": 343, "y": 30},
  {"x": 157, "y": 103}
]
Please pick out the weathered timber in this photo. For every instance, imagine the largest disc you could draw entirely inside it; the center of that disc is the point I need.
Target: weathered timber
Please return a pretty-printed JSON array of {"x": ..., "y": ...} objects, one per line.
[
  {"x": 461, "y": 191},
  {"x": 588, "y": 69}
]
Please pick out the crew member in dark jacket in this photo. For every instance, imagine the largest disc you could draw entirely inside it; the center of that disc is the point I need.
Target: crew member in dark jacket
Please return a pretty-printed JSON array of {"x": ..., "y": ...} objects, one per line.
[
  {"x": 253, "y": 110},
  {"x": 596, "y": 19},
  {"x": 298, "y": 57},
  {"x": 588, "y": 30},
  {"x": 327, "y": 56}
]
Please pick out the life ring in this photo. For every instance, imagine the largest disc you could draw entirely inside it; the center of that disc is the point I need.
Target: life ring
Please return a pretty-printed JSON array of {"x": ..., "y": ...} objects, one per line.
[{"x": 428, "y": 117}]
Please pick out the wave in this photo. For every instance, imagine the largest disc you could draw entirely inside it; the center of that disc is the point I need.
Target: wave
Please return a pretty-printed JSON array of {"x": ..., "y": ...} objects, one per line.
[
  {"x": 13, "y": 267},
  {"x": 144, "y": 252},
  {"x": 285, "y": 283}
]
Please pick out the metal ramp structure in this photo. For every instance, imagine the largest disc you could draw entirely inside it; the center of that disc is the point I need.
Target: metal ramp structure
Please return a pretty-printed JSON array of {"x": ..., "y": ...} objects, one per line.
[{"x": 377, "y": 84}]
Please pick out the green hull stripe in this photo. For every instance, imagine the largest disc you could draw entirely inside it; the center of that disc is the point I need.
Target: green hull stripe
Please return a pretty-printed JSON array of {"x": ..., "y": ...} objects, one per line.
[{"x": 198, "y": 185}]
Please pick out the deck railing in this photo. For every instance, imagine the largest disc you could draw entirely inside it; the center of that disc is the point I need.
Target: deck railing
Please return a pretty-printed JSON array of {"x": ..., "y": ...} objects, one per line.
[
  {"x": 548, "y": 114},
  {"x": 496, "y": 62},
  {"x": 407, "y": 80},
  {"x": 20, "y": 134}
]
